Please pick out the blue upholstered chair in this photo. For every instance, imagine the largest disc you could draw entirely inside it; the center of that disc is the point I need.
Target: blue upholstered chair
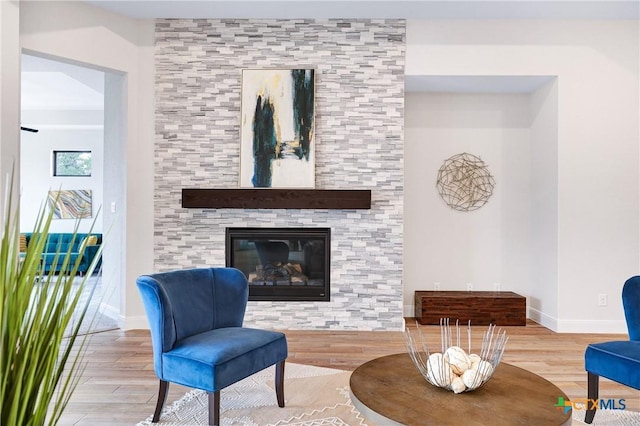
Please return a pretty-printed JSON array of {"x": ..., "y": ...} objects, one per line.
[
  {"x": 617, "y": 360},
  {"x": 195, "y": 316}
]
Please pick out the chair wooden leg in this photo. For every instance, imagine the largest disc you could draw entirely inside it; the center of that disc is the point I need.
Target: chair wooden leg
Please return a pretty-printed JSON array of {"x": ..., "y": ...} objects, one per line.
[
  {"x": 280, "y": 383},
  {"x": 214, "y": 408},
  {"x": 162, "y": 397},
  {"x": 592, "y": 395}
]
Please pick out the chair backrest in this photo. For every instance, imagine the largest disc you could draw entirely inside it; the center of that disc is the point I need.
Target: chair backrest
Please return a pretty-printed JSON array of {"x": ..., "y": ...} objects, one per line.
[
  {"x": 186, "y": 302},
  {"x": 631, "y": 304}
]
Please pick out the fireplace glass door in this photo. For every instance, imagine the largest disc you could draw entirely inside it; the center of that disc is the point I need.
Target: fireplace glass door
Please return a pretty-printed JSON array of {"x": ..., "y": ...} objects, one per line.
[{"x": 285, "y": 264}]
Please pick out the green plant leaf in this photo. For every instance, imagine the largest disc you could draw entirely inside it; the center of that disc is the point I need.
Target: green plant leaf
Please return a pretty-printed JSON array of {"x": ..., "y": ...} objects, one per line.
[{"x": 40, "y": 366}]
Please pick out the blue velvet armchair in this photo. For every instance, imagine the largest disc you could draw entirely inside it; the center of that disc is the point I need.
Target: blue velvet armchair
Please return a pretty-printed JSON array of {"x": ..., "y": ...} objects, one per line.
[
  {"x": 617, "y": 360},
  {"x": 196, "y": 316}
]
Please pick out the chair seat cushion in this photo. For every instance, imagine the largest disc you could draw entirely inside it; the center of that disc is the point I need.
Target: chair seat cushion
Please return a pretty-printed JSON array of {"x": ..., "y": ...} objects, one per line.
[
  {"x": 615, "y": 360},
  {"x": 215, "y": 359}
]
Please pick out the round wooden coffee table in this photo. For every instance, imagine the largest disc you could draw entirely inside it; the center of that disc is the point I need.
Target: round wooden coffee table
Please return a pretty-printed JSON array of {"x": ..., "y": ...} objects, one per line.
[{"x": 390, "y": 391}]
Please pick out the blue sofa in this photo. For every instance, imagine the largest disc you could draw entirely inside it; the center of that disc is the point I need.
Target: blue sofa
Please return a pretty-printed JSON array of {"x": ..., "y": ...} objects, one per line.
[{"x": 60, "y": 243}]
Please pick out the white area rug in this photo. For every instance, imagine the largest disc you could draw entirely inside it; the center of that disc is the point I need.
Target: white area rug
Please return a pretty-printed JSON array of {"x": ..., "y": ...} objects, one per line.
[
  {"x": 315, "y": 396},
  {"x": 608, "y": 418}
]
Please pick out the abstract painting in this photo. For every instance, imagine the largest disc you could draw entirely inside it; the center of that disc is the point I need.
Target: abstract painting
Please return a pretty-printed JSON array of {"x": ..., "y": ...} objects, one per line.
[
  {"x": 277, "y": 130},
  {"x": 71, "y": 204}
]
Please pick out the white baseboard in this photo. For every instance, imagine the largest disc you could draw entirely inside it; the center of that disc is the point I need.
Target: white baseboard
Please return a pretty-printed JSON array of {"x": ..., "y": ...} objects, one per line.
[
  {"x": 125, "y": 323},
  {"x": 110, "y": 311},
  {"x": 592, "y": 326},
  {"x": 577, "y": 326},
  {"x": 559, "y": 326},
  {"x": 543, "y": 319},
  {"x": 133, "y": 323},
  {"x": 562, "y": 326}
]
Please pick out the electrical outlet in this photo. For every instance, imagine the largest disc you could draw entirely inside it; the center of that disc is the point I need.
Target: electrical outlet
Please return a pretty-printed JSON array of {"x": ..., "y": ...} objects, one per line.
[
  {"x": 436, "y": 286},
  {"x": 469, "y": 286},
  {"x": 602, "y": 300},
  {"x": 496, "y": 287}
]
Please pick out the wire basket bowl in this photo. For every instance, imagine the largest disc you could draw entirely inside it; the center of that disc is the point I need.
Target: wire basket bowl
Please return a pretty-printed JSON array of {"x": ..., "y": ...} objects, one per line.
[{"x": 453, "y": 368}]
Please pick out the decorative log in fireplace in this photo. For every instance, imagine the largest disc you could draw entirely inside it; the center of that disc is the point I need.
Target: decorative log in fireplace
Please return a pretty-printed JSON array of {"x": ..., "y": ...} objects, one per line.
[{"x": 285, "y": 264}]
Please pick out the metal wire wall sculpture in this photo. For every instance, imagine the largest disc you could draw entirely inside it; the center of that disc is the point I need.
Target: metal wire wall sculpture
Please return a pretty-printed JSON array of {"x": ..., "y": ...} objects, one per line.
[{"x": 464, "y": 182}]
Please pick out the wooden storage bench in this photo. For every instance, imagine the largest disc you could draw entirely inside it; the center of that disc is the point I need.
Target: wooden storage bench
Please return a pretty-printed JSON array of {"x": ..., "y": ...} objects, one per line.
[{"x": 481, "y": 307}]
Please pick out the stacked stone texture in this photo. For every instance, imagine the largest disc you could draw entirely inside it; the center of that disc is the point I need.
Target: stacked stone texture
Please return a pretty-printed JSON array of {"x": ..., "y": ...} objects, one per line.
[{"x": 359, "y": 145}]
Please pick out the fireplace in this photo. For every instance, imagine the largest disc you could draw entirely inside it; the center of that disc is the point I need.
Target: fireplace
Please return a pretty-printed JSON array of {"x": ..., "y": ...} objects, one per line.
[{"x": 286, "y": 264}]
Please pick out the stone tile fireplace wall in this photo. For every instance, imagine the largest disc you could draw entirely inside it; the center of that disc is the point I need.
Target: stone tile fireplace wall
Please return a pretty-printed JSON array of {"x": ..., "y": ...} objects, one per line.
[{"x": 359, "y": 145}]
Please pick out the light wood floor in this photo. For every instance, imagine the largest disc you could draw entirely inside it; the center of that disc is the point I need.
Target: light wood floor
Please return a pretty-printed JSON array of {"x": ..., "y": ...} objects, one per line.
[{"x": 119, "y": 386}]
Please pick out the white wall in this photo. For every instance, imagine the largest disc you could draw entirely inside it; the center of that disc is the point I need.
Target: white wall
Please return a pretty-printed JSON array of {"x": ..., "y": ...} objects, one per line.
[
  {"x": 64, "y": 131},
  {"x": 543, "y": 296},
  {"x": 486, "y": 246},
  {"x": 79, "y": 32},
  {"x": 115, "y": 178},
  {"x": 9, "y": 96},
  {"x": 597, "y": 67}
]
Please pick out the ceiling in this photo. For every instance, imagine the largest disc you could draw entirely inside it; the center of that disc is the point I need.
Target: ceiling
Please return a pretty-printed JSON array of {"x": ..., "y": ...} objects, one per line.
[
  {"x": 410, "y": 9},
  {"x": 48, "y": 84},
  {"x": 475, "y": 83}
]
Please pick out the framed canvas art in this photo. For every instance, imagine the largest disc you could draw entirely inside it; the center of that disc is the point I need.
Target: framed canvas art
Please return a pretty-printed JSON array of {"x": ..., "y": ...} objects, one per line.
[
  {"x": 71, "y": 204},
  {"x": 277, "y": 128}
]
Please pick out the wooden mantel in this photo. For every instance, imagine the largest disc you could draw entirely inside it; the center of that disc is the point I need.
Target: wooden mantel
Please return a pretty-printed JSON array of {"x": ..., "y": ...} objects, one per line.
[{"x": 268, "y": 198}]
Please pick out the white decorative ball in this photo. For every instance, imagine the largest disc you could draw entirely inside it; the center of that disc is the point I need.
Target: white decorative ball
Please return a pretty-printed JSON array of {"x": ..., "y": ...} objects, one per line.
[
  {"x": 439, "y": 371},
  {"x": 472, "y": 379},
  {"x": 435, "y": 358},
  {"x": 457, "y": 385},
  {"x": 475, "y": 359},
  {"x": 458, "y": 359},
  {"x": 485, "y": 369}
]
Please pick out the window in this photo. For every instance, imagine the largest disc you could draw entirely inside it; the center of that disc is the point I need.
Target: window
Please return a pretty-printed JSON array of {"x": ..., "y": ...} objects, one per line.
[{"x": 72, "y": 163}]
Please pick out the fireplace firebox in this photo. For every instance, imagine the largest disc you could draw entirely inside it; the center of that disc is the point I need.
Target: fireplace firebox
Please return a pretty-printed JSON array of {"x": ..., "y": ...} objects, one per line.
[{"x": 282, "y": 264}]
